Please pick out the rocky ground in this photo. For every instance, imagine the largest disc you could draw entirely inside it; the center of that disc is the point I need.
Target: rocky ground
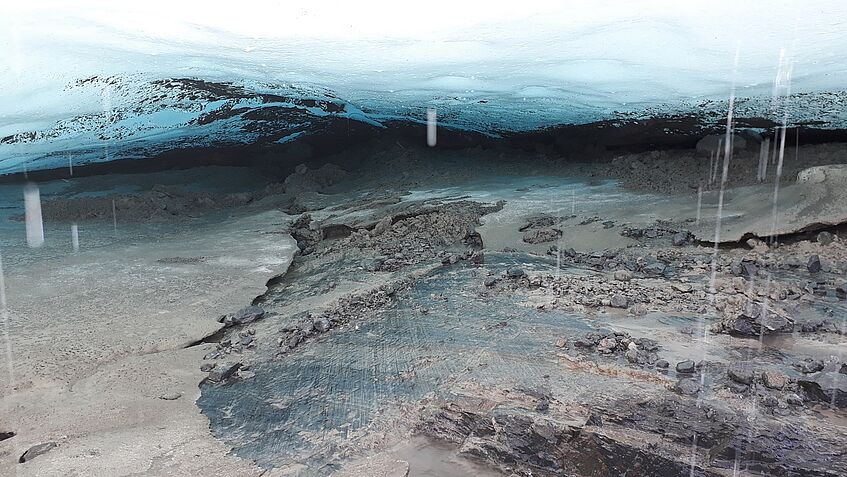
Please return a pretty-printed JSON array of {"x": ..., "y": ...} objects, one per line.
[{"x": 648, "y": 349}]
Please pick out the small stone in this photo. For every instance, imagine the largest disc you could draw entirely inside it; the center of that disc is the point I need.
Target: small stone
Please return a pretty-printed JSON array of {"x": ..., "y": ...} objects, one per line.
[
  {"x": 206, "y": 367},
  {"x": 741, "y": 373},
  {"x": 685, "y": 367},
  {"x": 825, "y": 238},
  {"x": 774, "y": 379},
  {"x": 631, "y": 355},
  {"x": 515, "y": 272},
  {"x": 814, "y": 264},
  {"x": 561, "y": 343},
  {"x": 619, "y": 301},
  {"x": 170, "y": 396},
  {"x": 623, "y": 275},
  {"x": 841, "y": 291},
  {"x": 490, "y": 281},
  {"x": 36, "y": 451},
  {"x": 663, "y": 364}
]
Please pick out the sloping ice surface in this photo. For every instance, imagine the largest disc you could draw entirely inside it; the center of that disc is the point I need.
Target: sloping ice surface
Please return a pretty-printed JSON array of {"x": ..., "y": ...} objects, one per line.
[{"x": 92, "y": 81}]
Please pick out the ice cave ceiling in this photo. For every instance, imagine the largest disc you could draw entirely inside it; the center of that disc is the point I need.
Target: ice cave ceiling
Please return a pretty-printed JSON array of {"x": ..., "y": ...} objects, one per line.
[{"x": 90, "y": 81}]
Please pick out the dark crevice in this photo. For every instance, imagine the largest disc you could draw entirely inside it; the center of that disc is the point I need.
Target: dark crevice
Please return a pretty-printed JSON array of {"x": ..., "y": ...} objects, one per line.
[
  {"x": 806, "y": 233},
  {"x": 6, "y": 435},
  {"x": 215, "y": 337}
]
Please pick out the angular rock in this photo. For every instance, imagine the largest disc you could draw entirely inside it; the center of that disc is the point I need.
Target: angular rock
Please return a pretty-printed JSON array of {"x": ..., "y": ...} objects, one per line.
[
  {"x": 623, "y": 275},
  {"x": 245, "y": 316},
  {"x": 828, "y": 387},
  {"x": 809, "y": 365},
  {"x": 223, "y": 371},
  {"x": 36, "y": 450},
  {"x": 741, "y": 373},
  {"x": 680, "y": 238},
  {"x": 687, "y": 387},
  {"x": 755, "y": 320},
  {"x": 685, "y": 367},
  {"x": 490, "y": 281}
]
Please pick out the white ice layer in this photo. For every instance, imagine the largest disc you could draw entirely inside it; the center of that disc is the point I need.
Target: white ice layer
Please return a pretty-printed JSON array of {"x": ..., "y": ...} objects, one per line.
[{"x": 485, "y": 66}]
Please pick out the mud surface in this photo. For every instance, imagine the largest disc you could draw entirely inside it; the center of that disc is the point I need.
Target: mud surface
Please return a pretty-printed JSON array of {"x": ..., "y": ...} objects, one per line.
[{"x": 500, "y": 313}]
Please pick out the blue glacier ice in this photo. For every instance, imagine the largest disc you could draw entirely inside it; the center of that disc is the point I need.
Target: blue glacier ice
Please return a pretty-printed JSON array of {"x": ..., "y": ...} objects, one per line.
[{"x": 91, "y": 80}]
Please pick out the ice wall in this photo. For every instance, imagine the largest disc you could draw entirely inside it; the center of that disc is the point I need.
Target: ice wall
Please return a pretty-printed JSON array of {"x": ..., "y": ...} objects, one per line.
[{"x": 93, "y": 80}]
